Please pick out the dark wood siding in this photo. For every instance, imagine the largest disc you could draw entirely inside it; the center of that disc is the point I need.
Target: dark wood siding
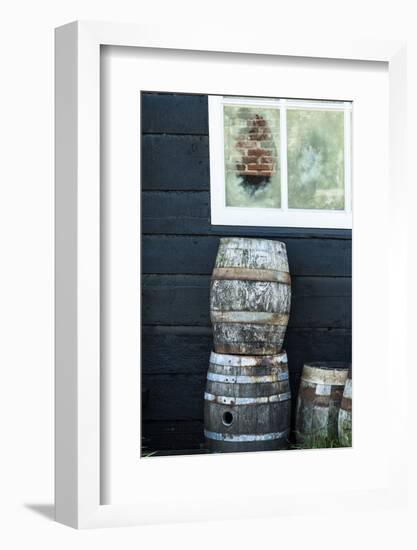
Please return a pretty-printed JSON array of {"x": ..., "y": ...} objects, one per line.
[{"x": 179, "y": 246}]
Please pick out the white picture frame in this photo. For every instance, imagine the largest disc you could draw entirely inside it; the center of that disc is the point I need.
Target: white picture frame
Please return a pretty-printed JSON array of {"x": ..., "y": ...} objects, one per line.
[{"x": 79, "y": 414}]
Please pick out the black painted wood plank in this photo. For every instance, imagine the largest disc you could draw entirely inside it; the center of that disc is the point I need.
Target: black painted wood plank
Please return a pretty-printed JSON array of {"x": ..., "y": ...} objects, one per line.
[
  {"x": 176, "y": 213},
  {"x": 174, "y": 113},
  {"x": 184, "y": 300},
  {"x": 174, "y": 349},
  {"x": 175, "y": 300},
  {"x": 174, "y": 396},
  {"x": 188, "y": 213},
  {"x": 172, "y": 435},
  {"x": 196, "y": 255},
  {"x": 178, "y": 254},
  {"x": 173, "y": 163}
]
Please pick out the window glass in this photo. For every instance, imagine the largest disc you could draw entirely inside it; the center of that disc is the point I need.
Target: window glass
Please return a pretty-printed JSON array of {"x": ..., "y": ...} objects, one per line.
[
  {"x": 315, "y": 156},
  {"x": 251, "y": 155}
]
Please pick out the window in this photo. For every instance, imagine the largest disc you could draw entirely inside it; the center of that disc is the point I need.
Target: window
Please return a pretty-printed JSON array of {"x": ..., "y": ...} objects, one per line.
[{"x": 280, "y": 162}]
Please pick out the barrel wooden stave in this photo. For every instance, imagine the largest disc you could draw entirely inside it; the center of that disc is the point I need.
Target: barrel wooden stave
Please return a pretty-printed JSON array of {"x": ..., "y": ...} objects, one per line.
[
  {"x": 266, "y": 421},
  {"x": 345, "y": 416},
  {"x": 250, "y": 296},
  {"x": 248, "y": 338},
  {"x": 319, "y": 398},
  {"x": 252, "y": 253}
]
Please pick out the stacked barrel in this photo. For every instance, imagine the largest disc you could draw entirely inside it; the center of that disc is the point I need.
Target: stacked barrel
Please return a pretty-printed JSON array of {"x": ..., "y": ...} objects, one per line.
[{"x": 247, "y": 398}]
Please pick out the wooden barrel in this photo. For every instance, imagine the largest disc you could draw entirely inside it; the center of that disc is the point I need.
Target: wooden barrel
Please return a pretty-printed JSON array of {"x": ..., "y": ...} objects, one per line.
[
  {"x": 250, "y": 296},
  {"x": 319, "y": 399},
  {"x": 345, "y": 415},
  {"x": 247, "y": 403}
]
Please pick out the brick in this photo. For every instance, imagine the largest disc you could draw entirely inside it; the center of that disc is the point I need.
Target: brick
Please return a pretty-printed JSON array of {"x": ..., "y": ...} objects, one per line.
[
  {"x": 260, "y": 167},
  {"x": 251, "y": 173},
  {"x": 255, "y": 152}
]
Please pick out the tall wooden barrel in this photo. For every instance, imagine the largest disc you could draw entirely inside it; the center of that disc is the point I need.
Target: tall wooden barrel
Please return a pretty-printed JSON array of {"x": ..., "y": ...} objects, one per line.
[
  {"x": 345, "y": 415},
  {"x": 250, "y": 296},
  {"x": 247, "y": 403},
  {"x": 319, "y": 400}
]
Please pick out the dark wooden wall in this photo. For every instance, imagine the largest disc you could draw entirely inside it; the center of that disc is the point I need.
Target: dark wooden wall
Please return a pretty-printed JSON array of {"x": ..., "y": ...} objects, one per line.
[{"x": 179, "y": 246}]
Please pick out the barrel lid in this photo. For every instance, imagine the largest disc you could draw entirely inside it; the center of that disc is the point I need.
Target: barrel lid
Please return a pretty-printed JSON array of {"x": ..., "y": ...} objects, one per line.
[{"x": 329, "y": 365}]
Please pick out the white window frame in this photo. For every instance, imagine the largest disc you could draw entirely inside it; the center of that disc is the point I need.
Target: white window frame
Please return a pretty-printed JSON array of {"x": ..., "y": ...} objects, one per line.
[{"x": 274, "y": 217}]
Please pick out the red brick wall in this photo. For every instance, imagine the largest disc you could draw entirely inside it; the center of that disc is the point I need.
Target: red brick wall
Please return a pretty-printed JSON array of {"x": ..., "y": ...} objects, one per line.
[{"x": 256, "y": 152}]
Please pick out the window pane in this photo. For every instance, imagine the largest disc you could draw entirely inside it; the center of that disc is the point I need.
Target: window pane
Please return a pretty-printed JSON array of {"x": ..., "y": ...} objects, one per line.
[
  {"x": 251, "y": 148},
  {"x": 315, "y": 152}
]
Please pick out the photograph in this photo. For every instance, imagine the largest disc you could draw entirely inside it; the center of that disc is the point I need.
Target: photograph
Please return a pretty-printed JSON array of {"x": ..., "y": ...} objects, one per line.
[{"x": 246, "y": 273}]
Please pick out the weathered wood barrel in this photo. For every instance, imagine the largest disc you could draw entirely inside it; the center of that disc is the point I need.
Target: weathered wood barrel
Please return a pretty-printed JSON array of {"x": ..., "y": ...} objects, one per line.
[
  {"x": 250, "y": 296},
  {"x": 345, "y": 415},
  {"x": 319, "y": 400},
  {"x": 247, "y": 403}
]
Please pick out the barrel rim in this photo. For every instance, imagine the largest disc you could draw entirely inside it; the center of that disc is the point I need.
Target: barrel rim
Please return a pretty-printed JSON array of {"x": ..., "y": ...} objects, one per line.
[
  {"x": 235, "y": 360},
  {"x": 252, "y": 241},
  {"x": 329, "y": 365}
]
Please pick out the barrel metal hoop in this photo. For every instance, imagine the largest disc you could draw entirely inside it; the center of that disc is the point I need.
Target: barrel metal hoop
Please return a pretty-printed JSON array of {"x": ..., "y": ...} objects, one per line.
[
  {"x": 248, "y": 274},
  {"x": 226, "y": 360},
  {"x": 255, "y": 317},
  {"x": 225, "y": 400},
  {"x": 242, "y": 438},
  {"x": 347, "y": 392},
  {"x": 231, "y": 379}
]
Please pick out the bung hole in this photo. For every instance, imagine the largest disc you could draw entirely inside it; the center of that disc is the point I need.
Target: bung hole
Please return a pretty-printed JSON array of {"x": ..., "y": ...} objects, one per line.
[{"x": 227, "y": 418}]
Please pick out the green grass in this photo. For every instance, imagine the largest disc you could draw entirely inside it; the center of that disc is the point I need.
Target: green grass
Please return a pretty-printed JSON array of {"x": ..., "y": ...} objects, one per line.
[
  {"x": 147, "y": 454},
  {"x": 317, "y": 441}
]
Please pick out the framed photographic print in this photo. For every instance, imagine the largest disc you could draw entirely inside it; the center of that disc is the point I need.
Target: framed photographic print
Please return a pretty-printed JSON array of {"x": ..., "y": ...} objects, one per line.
[{"x": 210, "y": 228}]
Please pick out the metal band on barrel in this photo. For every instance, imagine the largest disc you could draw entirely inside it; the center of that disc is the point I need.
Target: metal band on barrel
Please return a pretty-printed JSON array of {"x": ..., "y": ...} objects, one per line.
[
  {"x": 245, "y": 437},
  {"x": 226, "y": 360},
  {"x": 247, "y": 274},
  {"x": 255, "y": 317},
  {"x": 333, "y": 377},
  {"x": 238, "y": 379},
  {"x": 347, "y": 392},
  {"x": 224, "y": 400}
]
